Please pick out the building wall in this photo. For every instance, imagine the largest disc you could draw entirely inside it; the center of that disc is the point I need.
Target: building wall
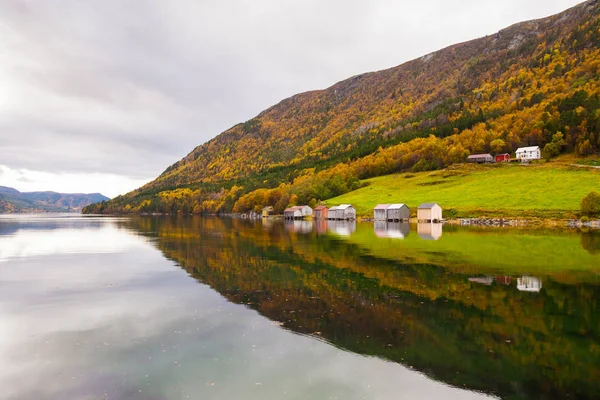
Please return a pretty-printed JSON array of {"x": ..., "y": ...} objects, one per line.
[
  {"x": 430, "y": 214},
  {"x": 424, "y": 214},
  {"x": 380, "y": 215},
  {"x": 349, "y": 213},
  {"x": 525, "y": 155},
  {"x": 398, "y": 214}
]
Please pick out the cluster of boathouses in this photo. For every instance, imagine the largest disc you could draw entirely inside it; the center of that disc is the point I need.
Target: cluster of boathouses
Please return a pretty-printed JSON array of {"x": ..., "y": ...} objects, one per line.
[
  {"x": 427, "y": 212},
  {"x": 343, "y": 212}
]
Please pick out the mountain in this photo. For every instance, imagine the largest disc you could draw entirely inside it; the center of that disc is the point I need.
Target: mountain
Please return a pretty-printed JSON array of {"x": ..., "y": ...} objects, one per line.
[
  {"x": 534, "y": 83},
  {"x": 11, "y": 200}
]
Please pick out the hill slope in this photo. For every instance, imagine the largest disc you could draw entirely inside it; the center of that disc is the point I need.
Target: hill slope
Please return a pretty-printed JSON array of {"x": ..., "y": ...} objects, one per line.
[
  {"x": 11, "y": 200},
  {"x": 493, "y": 190},
  {"x": 518, "y": 87}
]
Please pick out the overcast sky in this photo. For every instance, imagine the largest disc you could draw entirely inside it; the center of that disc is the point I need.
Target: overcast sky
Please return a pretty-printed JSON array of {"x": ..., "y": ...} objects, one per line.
[{"x": 103, "y": 95}]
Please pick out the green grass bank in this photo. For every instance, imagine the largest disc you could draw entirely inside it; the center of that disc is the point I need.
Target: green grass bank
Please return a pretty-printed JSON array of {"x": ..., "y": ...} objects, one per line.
[{"x": 545, "y": 190}]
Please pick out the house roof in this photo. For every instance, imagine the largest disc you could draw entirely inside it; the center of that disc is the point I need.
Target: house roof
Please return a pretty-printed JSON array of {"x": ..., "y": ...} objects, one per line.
[
  {"x": 319, "y": 208},
  {"x": 480, "y": 155},
  {"x": 334, "y": 208},
  {"x": 427, "y": 205},
  {"x": 530, "y": 148},
  {"x": 396, "y": 206},
  {"x": 292, "y": 209},
  {"x": 344, "y": 206},
  {"x": 381, "y": 207},
  {"x": 503, "y": 154},
  {"x": 268, "y": 208}
]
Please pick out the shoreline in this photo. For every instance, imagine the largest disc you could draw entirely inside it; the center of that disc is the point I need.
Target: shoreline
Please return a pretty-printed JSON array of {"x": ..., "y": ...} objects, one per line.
[{"x": 475, "y": 221}]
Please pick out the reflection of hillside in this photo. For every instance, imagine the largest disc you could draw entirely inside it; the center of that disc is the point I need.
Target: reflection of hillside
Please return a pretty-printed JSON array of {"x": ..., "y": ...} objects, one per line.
[{"x": 489, "y": 338}]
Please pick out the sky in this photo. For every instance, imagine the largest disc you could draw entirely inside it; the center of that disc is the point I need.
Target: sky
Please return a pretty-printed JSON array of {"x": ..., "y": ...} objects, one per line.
[{"x": 103, "y": 95}]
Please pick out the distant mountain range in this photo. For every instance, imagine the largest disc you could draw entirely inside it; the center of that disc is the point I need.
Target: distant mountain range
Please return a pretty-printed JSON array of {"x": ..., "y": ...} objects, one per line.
[
  {"x": 11, "y": 200},
  {"x": 532, "y": 84}
]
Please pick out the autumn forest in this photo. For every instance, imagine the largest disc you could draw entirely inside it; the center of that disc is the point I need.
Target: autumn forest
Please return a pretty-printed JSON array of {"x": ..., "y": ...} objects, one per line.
[{"x": 533, "y": 84}]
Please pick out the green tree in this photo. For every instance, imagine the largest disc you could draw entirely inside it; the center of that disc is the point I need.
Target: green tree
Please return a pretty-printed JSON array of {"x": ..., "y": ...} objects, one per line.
[
  {"x": 497, "y": 146},
  {"x": 554, "y": 148},
  {"x": 590, "y": 204}
]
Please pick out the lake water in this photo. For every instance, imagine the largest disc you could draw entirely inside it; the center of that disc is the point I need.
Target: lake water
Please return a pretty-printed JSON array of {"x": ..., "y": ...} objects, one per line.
[{"x": 178, "y": 308}]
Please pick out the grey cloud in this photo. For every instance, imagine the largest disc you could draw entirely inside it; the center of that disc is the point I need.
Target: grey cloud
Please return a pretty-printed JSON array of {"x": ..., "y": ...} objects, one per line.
[{"x": 131, "y": 87}]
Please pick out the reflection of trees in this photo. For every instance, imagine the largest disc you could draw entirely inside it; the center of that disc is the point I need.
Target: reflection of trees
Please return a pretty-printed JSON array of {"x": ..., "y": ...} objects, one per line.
[
  {"x": 590, "y": 241},
  {"x": 489, "y": 338}
]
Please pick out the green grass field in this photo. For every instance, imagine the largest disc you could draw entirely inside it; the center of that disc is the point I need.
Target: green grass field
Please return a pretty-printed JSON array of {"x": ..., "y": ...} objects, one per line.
[{"x": 545, "y": 190}]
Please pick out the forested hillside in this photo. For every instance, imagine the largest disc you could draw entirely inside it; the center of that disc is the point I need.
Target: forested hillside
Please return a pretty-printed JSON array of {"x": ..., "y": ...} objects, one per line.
[{"x": 534, "y": 83}]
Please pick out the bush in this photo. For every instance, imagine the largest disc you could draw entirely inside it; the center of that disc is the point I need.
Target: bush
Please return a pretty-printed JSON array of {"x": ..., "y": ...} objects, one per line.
[{"x": 590, "y": 204}]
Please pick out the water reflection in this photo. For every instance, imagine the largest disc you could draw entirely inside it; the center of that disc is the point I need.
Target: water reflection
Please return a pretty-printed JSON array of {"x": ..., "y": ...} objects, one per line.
[
  {"x": 392, "y": 230},
  {"x": 298, "y": 226},
  {"x": 411, "y": 305},
  {"x": 429, "y": 231},
  {"x": 529, "y": 284},
  {"x": 342, "y": 228},
  {"x": 125, "y": 322}
]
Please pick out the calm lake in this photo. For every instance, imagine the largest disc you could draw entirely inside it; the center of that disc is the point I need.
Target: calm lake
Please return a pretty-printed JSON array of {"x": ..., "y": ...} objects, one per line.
[{"x": 192, "y": 308}]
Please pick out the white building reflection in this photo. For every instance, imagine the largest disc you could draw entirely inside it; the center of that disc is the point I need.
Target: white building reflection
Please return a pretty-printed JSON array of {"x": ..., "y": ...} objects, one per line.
[
  {"x": 392, "y": 230},
  {"x": 298, "y": 226},
  {"x": 529, "y": 284},
  {"x": 429, "y": 231},
  {"x": 342, "y": 228}
]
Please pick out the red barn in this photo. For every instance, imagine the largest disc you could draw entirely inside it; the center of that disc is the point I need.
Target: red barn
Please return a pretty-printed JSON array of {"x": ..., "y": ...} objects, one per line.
[{"x": 502, "y": 157}]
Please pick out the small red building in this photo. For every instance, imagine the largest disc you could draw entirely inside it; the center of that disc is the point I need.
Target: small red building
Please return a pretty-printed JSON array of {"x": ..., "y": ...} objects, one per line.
[
  {"x": 321, "y": 212},
  {"x": 502, "y": 157}
]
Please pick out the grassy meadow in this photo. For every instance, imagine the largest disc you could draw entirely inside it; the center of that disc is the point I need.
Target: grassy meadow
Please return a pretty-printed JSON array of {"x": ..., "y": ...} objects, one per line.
[{"x": 544, "y": 190}]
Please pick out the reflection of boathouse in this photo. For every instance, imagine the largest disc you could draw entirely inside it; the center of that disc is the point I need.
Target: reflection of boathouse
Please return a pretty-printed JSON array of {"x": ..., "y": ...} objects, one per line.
[
  {"x": 393, "y": 230},
  {"x": 529, "y": 284},
  {"x": 298, "y": 226},
  {"x": 342, "y": 228},
  {"x": 482, "y": 280},
  {"x": 321, "y": 226},
  {"x": 429, "y": 231}
]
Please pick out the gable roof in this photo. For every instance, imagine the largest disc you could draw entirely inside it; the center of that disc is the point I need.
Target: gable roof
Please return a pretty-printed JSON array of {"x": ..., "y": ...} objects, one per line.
[
  {"x": 480, "y": 155},
  {"x": 530, "y": 148},
  {"x": 427, "y": 205},
  {"x": 344, "y": 206},
  {"x": 319, "y": 208},
  {"x": 381, "y": 207},
  {"x": 397, "y": 206}
]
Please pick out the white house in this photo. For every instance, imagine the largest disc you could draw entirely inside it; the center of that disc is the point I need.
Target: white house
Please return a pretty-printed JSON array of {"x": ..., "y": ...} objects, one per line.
[
  {"x": 430, "y": 212},
  {"x": 529, "y": 153}
]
